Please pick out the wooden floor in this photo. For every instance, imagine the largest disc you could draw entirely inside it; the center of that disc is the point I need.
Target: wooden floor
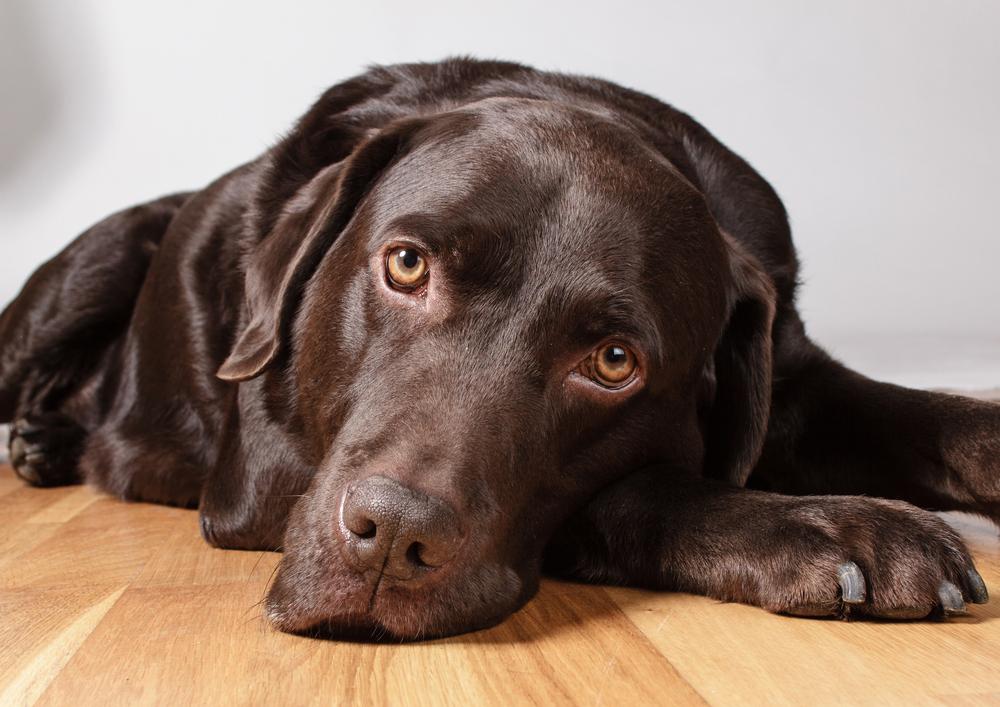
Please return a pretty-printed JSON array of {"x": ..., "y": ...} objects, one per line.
[{"x": 113, "y": 603}]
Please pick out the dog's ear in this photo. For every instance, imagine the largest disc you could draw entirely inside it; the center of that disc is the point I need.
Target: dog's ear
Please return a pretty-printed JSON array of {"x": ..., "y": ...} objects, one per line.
[
  {"x": 737, "y": 423},
  {"x": 286, "y": 258}
]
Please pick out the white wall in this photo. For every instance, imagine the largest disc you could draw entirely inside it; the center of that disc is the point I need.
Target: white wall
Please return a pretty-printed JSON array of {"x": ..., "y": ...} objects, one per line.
[{"x": 877, "y": 122}]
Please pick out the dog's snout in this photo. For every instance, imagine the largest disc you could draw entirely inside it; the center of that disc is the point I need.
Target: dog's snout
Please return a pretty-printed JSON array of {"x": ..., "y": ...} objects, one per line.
[{"x": 389, "y": 528}]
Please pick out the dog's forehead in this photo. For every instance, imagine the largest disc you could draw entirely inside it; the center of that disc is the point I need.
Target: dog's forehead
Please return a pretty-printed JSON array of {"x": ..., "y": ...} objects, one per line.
[
  {"x": 551, "y": 198},
  {"x": 556, "y": 177},
  {"x": 522, "y": 150}
]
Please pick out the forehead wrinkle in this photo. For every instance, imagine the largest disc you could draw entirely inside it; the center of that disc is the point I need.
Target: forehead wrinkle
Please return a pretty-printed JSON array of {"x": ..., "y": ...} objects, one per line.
[
  {"x": 589, "y": 311},
  {"x": 585, "y": 301},
  {"x": 592, "y": 267},
  {"x": 485, "y": 183}
]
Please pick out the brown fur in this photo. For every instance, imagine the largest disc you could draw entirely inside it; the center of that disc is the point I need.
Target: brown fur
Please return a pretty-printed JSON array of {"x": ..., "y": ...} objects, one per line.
[{"x": 238, "y": 349}]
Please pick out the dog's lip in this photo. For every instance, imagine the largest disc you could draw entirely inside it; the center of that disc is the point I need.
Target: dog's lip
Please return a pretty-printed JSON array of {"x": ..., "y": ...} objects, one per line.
[
  {"x": 356, "y": 626},
  {"x": 369, "y": 630},
  {"x": 370, "y": 626},
  {"x": 360, "y": 618},
  {"x": 373, "y": 632}
]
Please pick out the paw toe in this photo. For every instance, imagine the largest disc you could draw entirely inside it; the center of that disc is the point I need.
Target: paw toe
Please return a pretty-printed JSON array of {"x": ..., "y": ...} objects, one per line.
[
  {"x": 813, "y": 611},
  {"x": 26, "y": 428},
  {"x": 900, "y": 613}
]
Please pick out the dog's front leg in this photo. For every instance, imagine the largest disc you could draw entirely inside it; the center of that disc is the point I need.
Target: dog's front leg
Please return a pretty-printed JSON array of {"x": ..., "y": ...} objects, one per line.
[
  {"x": 804, "y": 555},
  {"x": 833, "y": 430}
]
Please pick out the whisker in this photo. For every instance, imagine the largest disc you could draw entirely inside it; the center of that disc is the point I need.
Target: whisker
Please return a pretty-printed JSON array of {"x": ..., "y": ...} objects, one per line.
[
  {"x": 263, "y": 595},
  {"x": 256, "y": 564}
]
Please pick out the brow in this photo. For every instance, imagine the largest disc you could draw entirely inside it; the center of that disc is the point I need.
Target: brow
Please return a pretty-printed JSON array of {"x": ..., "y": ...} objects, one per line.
[
  {"x": 626, "y": 320},
  {"x": 598, "y": 316}
]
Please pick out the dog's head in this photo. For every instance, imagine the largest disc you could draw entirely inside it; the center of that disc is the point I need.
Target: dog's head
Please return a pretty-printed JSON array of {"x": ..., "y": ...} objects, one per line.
[{"x": 485, "y": 316}]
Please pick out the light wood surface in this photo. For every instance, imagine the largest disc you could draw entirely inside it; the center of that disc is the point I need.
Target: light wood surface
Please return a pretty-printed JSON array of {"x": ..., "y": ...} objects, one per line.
[{"x": 106, "y": 602}]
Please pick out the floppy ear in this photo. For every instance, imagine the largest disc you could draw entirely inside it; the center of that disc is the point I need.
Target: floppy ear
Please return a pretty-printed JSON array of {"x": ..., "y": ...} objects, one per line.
[
  {"x": 737, "y": 423},
  {"x": 286, "y": 258}
]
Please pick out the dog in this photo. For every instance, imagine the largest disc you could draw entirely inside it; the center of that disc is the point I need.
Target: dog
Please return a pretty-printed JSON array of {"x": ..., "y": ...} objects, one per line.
[{"x": 470, "y": 322}]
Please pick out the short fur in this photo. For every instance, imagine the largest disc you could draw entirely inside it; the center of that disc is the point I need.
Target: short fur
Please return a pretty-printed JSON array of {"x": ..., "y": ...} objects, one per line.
[{"x": 238, "y": 349}]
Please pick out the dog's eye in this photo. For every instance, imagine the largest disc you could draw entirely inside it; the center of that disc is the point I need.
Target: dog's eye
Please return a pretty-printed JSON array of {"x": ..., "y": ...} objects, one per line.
[
  {"x": 612, "y": 365},
  {"x": 406, "y": 267}
]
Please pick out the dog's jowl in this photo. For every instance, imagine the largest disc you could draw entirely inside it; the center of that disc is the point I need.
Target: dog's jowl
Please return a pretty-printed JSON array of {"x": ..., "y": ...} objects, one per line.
[{"x": 469, "y": 322}]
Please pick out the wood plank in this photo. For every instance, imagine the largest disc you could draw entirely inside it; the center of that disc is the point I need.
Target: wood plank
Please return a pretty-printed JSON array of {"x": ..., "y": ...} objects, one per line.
[
  {"x": 72, "y": 501},
  {"x": 209, "y": 644},
  {"x": 40, "y": 631},
  {"x": 8, "y": 481},
  {"x": 109, "y": 542},
  {"x": 21, "y": 502},
  {"x": 187, "y": 560},
  {"x": 736, "y": 655},
  {"x": 18, "y": 539}
]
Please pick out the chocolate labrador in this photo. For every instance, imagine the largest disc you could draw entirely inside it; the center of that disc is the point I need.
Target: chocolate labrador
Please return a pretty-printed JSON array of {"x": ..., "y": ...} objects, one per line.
[{"x": 468, "y": 322}]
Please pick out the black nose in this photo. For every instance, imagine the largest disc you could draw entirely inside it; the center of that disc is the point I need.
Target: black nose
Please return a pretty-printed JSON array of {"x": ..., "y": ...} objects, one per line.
[{"x": 392, "y": 529}]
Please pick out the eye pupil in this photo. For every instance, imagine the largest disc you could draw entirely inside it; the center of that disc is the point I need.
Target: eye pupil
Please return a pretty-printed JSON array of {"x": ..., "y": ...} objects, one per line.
[
  {"x": 615, "y": 354},
  {"x": 409, "y": 259}
]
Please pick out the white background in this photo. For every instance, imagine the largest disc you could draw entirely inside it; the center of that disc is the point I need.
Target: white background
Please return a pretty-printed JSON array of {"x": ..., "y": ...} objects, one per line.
[{"x": 877, "y": 122}]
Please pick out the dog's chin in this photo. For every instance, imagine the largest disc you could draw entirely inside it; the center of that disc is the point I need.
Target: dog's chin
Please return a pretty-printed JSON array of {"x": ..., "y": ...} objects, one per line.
[{"x": 335, "y": 603}]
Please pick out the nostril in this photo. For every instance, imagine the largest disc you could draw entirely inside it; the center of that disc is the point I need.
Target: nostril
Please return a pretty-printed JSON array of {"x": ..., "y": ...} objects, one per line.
[
  {"x": 430, "y": 555},
  {"x": 368, "y": 531},
  {"x": 361, "y": 527},
  {"x": 414, "y": 553}
]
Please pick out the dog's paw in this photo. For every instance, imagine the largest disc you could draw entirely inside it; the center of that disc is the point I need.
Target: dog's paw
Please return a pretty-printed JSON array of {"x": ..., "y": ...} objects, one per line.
[
  {"x": 869, "y": 557},
  {"x": 44, "y": 449}
]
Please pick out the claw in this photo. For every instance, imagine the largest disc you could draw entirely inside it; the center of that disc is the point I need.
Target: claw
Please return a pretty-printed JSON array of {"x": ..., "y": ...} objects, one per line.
[
  {"x": 977, "y": 587},
  {"x": 34, "y": 458},
  {"x": 17, "y": 450},
  {"x": 951, "y": 598},
  {"x": 28, "y": 473},
  {"x": 24, "y": 428},
  {"x": 852, "y": 583}
]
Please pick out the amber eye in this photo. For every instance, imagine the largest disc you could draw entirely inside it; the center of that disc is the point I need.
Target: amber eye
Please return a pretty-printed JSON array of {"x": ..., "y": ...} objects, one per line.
[
  {"x": 407, "y": 268},
  {"x": 612, "y": 365}
]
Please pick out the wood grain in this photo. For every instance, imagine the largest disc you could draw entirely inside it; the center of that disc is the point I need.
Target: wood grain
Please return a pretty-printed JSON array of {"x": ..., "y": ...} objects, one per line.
[{"x": 108, "y": 602}]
